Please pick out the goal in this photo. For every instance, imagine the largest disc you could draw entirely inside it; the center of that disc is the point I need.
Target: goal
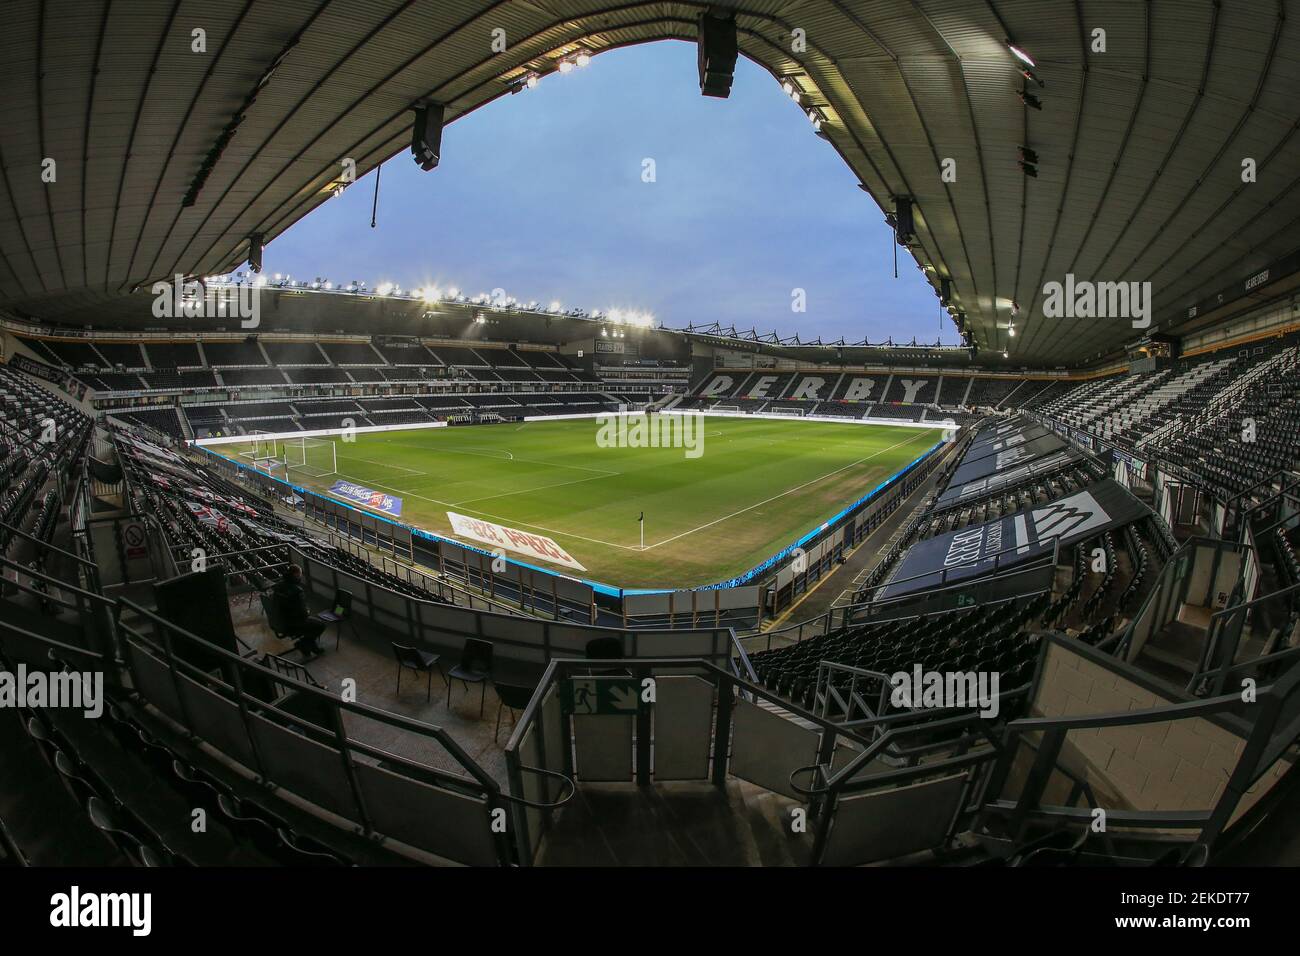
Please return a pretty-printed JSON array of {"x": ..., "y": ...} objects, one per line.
[
  {"x": 313, "y": 457},
  {"x": 795, "y": 412},
  {"x": 263, "y": 449}
]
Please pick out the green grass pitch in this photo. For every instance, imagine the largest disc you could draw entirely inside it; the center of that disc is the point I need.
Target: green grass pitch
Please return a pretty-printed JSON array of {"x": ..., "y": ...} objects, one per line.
[{"x": 757, "y": 486}]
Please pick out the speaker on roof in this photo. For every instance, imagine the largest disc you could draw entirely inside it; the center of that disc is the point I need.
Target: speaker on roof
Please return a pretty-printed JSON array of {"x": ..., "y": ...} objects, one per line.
[
  {"x": 904, "y": 228},
  {"x": 426, "y": 135},
  {"x": 255, "y": 252},
  {"x": 717, "y": 54}
]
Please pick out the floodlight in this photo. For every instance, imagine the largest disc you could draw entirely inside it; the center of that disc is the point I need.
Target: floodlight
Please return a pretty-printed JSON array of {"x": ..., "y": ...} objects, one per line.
[{"x": 1020, "y": 54}]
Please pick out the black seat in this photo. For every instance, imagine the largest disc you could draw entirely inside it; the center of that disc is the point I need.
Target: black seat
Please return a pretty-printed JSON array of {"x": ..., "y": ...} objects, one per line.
[
  {"x": 605, "y": 649},
  {"x": 340, "y": 610},
  {"x": 512, "y": 696},
  {"x": 422, "y": 662},
  {"x": 475, "y": 667},
  {"x": 275, "y": 621}
]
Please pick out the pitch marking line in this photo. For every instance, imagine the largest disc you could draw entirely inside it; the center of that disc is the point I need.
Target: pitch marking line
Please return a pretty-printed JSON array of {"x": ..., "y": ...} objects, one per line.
[
  {"x": 608, "y": 544},
  {"x": 384, "y": 464},
  {"x": 481, "y": 454},
  {"x": 788, "y": 491},
  {"x": 512, "y": 522},
  {"x": 524, "y": 491}
]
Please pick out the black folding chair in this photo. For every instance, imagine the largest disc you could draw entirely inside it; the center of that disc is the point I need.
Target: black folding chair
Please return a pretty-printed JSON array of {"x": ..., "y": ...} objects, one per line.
[
  {"x": 279, "y": 627},
  {"x": 422, "y": 662},
  {"x": 475, "y": 667},
  {"x": 513, "y": 697},
  {"x": 340, "y": 610}
]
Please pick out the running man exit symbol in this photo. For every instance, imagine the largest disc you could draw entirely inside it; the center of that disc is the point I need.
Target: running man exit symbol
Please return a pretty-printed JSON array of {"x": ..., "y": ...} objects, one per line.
[{"x": 599, "y": 695}]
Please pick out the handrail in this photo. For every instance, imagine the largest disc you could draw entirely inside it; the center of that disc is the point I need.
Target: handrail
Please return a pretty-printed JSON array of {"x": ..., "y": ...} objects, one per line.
[
  {"x": 46, "y": 545},
  {"x": 232, "y": 554},
  {"x": 533, "y": 804},
  {"x": 63, "y": 585},
  {"x": 364, "y": 710},
  {"x": 885, "y": 740},
  {"x": 548, "y": 678},
  {"x": 1236, "y": 608},
  {"x": 1146, "y": 715},
  {"x": 53, "y": 642}
]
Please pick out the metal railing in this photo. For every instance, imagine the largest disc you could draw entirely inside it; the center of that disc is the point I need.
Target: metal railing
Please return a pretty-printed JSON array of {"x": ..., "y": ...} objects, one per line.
[
  {"x": 1264, "y": 744},
  {"x": 729, "y": 688},
  {"x": 238, "y": 673}
]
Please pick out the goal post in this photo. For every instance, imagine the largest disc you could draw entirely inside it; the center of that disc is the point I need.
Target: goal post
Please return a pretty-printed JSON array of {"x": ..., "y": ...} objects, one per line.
[
  {"x": 263, "y": 449},
  {"x": 313, "y": 457}
]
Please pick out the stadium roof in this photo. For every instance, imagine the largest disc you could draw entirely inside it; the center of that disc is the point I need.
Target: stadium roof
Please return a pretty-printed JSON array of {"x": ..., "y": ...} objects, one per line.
[{"x": 1140, "y": 148}]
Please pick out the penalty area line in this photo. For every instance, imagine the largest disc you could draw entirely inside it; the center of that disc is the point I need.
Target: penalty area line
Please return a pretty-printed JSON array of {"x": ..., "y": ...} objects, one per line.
[{"x": 788, "y": 491}]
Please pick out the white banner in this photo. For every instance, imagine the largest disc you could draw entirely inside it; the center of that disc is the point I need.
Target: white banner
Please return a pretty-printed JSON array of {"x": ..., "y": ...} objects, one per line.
[{"x": 534, "y": 545}]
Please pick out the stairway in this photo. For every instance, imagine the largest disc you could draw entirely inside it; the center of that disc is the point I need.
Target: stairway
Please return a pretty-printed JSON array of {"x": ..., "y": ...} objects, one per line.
[{"x": 674, "y": 824}]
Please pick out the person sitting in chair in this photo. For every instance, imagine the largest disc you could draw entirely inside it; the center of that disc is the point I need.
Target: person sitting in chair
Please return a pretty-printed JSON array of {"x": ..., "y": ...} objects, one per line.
[{"x": 291, "y": 605}]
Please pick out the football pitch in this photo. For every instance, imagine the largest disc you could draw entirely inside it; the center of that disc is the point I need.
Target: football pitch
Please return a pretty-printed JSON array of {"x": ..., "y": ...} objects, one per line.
[{"x": 756, "y": 486}]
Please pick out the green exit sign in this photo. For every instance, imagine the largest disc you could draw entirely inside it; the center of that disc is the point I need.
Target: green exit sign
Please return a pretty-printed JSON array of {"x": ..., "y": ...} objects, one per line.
[{"x": 599, "y": 695}]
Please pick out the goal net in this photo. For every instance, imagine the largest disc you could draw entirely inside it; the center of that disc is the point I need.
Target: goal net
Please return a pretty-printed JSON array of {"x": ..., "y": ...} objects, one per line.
[
  {"x": 313, "y": 457},
  {"x": 794, "y": 412},
  {"x": 262, "y": 451}
]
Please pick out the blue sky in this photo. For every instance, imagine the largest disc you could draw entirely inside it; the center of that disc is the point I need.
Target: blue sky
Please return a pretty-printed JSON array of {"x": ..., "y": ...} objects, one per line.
[{"x": 541, "y": 194}]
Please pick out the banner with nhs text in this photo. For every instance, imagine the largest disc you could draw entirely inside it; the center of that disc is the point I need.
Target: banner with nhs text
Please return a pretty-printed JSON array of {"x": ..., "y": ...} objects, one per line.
[{"x": 377, "y": 500}]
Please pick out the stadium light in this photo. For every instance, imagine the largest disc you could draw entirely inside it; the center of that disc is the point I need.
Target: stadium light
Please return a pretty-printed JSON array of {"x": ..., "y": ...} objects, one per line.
[
  {"x": 566, "y": 66},
  {"x": 385, "y": 288},
  {"x": 532, "y": 81},
  {"x": 583, "y": 58},
  {"x": 1019, "y": 54}
]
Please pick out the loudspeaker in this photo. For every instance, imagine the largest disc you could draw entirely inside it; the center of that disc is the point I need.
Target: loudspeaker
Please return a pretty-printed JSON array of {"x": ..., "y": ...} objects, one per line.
[
  {"x": 255, "y": 252},
  {"x": 717, "y": 54},
  {"x": 426, "y": 135},
  {"x": 904, "y": 227}
]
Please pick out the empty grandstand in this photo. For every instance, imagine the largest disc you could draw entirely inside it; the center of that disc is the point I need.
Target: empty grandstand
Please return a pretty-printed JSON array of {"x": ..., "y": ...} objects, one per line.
[{"x": 390, "y": 577}]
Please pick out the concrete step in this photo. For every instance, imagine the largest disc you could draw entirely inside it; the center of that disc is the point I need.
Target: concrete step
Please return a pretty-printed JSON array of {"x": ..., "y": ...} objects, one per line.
[
  {"x": 780, "y": 711},
  {"x": 674, "y": 824}
]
